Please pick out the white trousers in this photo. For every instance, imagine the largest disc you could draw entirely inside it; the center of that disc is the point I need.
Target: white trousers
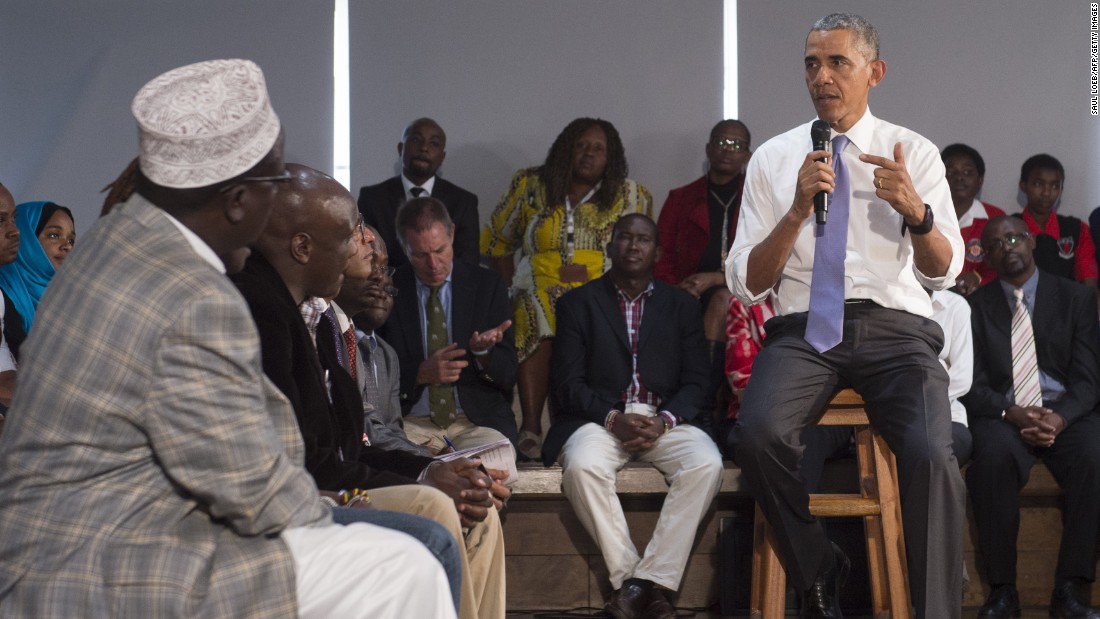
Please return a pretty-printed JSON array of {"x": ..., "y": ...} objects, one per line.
[
  {"x": 365, "y": 571},
  {"x": 692, "y": 466}
]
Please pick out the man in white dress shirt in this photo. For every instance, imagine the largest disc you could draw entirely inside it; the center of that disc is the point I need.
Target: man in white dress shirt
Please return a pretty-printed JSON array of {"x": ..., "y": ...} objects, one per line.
[{"x": 852, "y": 312}]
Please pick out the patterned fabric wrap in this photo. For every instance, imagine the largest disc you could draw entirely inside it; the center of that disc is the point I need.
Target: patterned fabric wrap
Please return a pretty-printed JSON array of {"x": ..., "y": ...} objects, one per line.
[{"x": 522, "y": 221}]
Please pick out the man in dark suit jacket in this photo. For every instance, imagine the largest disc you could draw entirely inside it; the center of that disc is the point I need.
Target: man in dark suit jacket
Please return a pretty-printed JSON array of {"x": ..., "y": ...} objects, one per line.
[
  {"x": 301, "y": 256},
  {"x": 628, "y": 373},
  {"x": 422, "y": 150},
  {"x": 1010, "y": 435},
  {"x": 477, "y": 310}
]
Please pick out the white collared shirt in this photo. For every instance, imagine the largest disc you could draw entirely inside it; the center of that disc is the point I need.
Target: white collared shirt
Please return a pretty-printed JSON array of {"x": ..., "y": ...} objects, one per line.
[
  {"x": 879, "y": 262},
  {"x": 7, "y": 359},
  {"x": 976, "y": 211},
  {"x": 952, "y": 313},
  {"x": 201, "y": 248},
  {"x": 428, "y": 186}
]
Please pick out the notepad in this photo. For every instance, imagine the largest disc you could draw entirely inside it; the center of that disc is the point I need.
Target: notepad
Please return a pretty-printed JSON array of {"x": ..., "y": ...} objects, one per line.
[{"x": 498, "y": 455}]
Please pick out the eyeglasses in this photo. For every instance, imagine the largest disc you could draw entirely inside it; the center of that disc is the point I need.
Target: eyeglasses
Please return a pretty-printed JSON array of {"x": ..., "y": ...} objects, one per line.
[
  {"x": 1006, "y": 241},
  {"x": 383, "y": 271},
  {"x": 285, "y": 177},
  {"x": 727, "y": 144}
]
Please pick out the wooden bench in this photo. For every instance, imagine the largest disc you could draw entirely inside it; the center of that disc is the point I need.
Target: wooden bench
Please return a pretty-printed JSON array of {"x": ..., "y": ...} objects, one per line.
[{"x": 553, "y": 564}]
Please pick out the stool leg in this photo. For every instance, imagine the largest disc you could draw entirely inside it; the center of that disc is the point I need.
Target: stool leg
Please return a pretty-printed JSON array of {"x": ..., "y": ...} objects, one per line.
[
  {"x": 769, "y": 581},
  {"x": 894, "y": 535},
  {"x": 759, "y": 534},
  {"x": 872, "y": 525}
]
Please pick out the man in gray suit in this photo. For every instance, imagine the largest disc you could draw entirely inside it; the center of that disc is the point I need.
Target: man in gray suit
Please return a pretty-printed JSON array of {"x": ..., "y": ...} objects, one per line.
[
  {"x": 368, "y": 298},
  {"x": 148, "y": 469}
]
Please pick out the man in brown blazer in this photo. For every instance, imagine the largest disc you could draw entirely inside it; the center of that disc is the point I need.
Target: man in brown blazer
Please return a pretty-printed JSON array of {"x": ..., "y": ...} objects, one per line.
[{"x": 147, "y": 468}]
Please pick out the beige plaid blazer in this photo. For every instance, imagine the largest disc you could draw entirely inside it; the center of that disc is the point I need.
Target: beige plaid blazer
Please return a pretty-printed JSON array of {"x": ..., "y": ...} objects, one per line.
[{"x": 147, "y": 466}]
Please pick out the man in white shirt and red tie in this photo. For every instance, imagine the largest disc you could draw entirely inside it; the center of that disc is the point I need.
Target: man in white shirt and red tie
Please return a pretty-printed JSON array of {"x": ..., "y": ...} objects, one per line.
[
  {"x": 852, "y": 312},
  {"x": 1035, "y": 397}
]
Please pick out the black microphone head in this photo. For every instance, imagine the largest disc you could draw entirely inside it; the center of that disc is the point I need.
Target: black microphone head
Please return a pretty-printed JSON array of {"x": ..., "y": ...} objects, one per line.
[{"x": 820, "y": 133}]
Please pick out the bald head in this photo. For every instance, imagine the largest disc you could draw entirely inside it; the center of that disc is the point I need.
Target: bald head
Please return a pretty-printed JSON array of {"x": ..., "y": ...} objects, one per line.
[{"x": 311, "y": 233}]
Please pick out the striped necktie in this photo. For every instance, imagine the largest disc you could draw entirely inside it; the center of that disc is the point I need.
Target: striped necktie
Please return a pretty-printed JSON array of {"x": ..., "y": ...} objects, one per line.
[{"x": 1025, "y": 364}]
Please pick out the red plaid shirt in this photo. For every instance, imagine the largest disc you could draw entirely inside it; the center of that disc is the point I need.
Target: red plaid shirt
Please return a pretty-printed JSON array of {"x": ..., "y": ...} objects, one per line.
[{"x": 632, "y": 310}]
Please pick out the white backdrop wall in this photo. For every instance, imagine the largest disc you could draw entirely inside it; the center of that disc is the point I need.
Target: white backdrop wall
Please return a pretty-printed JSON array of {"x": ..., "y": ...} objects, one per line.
[
  {"x": 504, "y": 77},
  {"x": 68, "y": 71},
  {"x": 1008, "y": 77}
]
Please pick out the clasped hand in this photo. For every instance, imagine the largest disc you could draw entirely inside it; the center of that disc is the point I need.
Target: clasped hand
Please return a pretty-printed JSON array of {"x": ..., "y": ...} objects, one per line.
[
  {"x": 463, "y": 481},
  {"x": 1038, "y": 426},
  {"x": 638, "y": 432}
]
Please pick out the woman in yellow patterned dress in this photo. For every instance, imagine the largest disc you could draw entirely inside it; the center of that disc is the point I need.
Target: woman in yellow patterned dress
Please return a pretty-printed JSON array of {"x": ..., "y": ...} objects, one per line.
[{"x": 558, "y": 217}]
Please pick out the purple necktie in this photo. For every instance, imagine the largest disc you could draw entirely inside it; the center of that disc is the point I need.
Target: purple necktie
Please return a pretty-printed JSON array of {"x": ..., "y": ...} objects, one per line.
[{"x": 825, "y": 322}]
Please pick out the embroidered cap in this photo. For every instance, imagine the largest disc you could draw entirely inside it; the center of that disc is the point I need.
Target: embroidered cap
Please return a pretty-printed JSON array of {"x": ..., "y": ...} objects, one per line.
[{"x": 204, "y": 123}]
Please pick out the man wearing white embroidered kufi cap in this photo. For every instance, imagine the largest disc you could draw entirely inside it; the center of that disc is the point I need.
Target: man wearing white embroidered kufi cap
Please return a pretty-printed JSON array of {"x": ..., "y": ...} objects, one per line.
[{"x": 148, "y": 468}]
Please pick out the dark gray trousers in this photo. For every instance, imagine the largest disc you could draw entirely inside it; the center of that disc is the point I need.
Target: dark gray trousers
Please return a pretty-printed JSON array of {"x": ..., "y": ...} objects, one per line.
[
  {"x": 890, "y": 358},
  {"x": 1000, "y": 468}
]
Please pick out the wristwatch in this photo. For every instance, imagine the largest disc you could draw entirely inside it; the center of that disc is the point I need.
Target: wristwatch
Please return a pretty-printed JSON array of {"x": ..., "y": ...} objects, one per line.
[{"x": 925, "y": 226}]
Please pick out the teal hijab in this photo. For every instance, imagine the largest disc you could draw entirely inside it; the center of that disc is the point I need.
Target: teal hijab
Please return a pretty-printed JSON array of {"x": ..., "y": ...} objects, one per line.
[{"x": 25, "y": 280}]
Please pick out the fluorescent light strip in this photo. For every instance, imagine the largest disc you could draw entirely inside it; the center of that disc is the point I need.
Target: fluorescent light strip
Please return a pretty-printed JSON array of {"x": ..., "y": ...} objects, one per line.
[
  {"x": 730, "y": 103},
  {"x": 341, "y": 108}
]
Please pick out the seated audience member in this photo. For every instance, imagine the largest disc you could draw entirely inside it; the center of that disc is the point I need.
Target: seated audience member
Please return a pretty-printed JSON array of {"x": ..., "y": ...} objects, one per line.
[
  {"x": 47, "y": 234},
  {"x": 547, "y": 236},
  {"x": 422, "y": 149},
  {"x": 1035, "y": 395},
  {"x": 744, "y": 338},
  {"x": 965, "y": 175},
  {"x": 168, "y": 482},
  {"x": 452, "y": 333},
  {"x": 1094, "y": 224},
  {"x": 1063, "y": 244},
  {"x": 628, "y": 375},
  {"x": 367, "y": 295},
  {"x": 300, "y": 257},
  {"x": 12, "y": 332},
  {"x": 697, "y": 224}
]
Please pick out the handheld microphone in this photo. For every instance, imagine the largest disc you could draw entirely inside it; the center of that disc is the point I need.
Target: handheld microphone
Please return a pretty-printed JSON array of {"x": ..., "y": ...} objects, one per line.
[{"x": 819, "y": 133}]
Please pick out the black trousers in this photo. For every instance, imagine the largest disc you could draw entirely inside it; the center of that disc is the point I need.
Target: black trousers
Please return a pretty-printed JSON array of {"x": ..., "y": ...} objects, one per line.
[
  {"x": 1001, "y": 465},
  {"x": 890, "y": 358}
]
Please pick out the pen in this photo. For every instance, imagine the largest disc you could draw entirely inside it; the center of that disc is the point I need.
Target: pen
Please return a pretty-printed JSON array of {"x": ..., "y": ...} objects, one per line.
[{"x": 449, "y": 443}]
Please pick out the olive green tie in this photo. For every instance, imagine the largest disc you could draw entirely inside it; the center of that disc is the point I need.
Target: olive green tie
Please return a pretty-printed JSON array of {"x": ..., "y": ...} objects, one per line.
[{"x": 441, "y": 398}]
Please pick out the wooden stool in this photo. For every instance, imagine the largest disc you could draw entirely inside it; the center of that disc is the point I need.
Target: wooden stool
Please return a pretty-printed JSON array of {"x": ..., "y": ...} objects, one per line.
[{"x": 878, "y": 504}]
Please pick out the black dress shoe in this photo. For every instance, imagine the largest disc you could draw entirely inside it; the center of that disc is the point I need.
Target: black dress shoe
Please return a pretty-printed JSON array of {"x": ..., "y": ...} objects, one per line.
[
  {"x": 1003, "y": 603},
  {"x": 630, "y": 602},
  {"x": 659, "y": 607},
  {"x": 1066, "y": 602},
  {"x": 822, "y": 601}
]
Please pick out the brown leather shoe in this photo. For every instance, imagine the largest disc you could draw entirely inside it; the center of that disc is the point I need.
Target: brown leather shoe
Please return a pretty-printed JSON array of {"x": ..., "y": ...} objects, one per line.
[
  {"x": 630, "y": 602},
  {"x": 659, "y": 607}
]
